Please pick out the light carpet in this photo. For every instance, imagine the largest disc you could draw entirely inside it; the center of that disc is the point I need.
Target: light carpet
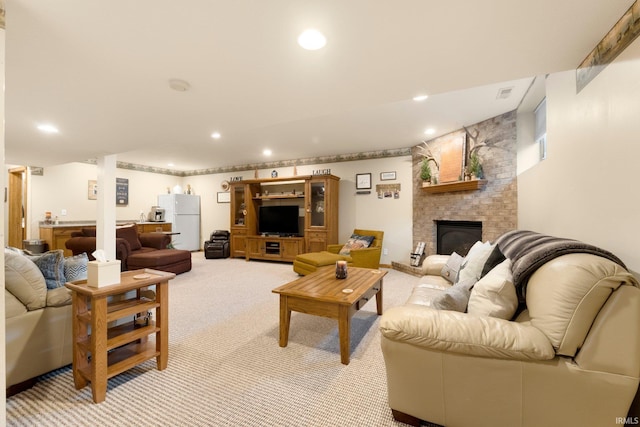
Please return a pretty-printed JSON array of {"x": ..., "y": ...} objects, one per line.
[{"x": 226, "y": 367}]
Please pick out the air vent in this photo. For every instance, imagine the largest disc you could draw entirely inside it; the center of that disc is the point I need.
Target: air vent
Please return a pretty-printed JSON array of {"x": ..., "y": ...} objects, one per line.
[{"x": 504, "y": 93}]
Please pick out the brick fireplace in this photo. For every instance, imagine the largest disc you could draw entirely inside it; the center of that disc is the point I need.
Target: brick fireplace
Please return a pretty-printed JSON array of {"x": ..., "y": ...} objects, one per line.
[{"x": 494, "y": 206}]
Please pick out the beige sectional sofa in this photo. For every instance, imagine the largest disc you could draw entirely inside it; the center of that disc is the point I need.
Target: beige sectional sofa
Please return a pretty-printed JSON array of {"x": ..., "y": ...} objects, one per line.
[
  {"x": 38, "y": 322},
  {"x": 570, "y": 356}
]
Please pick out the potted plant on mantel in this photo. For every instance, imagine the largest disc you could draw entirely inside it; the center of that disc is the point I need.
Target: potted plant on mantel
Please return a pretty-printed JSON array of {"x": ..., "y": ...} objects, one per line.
[
  {"x": 475, "y": 167},
  {"x": 426, "y": 175},
  {"x": 425, "y": 172}
]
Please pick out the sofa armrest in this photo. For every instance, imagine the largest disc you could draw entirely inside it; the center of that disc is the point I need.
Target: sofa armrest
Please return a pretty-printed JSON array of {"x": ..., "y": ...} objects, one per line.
[
  {"x": 433, "y": 264},
  {"x": 154, "y": 240},
  {"x": 78, "y": 245},
  {"x": 366, "y": 257},
  {"x": 461, "y": 333}
]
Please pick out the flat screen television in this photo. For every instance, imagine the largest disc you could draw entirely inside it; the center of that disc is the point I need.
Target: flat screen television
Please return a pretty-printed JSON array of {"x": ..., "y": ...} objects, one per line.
[{"x": 280, "y": 220}]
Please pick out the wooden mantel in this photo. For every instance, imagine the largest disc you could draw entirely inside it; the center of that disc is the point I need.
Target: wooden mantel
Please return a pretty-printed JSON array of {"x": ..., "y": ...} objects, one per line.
[{"x": 474, "y": 184}]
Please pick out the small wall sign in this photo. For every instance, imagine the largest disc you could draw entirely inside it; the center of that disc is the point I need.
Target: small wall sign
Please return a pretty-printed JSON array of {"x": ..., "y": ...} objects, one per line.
[{"x": 322, "y": 172}]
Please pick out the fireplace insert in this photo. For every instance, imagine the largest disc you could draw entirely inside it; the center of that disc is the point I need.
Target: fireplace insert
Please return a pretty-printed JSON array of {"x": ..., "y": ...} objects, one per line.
[{"x": 457, "y": 236}]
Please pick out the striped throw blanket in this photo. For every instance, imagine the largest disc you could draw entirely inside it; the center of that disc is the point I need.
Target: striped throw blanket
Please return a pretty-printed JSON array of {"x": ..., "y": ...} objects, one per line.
[{"x": 529, "y": 250}]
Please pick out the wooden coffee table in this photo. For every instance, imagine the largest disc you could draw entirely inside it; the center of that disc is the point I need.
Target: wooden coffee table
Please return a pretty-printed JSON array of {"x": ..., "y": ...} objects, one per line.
[{"x": 321, "y": 294}]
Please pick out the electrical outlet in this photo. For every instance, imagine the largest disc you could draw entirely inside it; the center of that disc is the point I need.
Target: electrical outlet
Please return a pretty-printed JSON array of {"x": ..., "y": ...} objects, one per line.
[
  {"x": 63, "y": 212},
  {"x": 385, "y": 251}
]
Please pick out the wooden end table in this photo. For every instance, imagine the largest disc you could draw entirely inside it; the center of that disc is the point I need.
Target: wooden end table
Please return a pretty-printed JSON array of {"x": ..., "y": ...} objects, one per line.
[
  {"x": 106, "y": 352},
  {"x": 321, "y": 294}
]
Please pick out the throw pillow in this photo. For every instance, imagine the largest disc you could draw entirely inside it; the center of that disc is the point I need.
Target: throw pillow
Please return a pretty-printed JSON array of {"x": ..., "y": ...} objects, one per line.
[
  {"x": 130, "y": 234},
  {"x": 455, "y": 298},
  {"x": 471, "y": 268},
  {"x": 356, "y": 241},
  {"x": 452, "y": 267},
  {"x": 51, "y": 264},
  {"x": 75, "y": 267},
  {"x": 495, "y": 295},
  {"x": 495, "y": 257},
  {"x": 24, "y": 280}
]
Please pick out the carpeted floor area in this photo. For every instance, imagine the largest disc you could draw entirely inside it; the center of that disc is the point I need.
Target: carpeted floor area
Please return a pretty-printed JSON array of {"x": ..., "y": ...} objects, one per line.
[{"x": 225, "y": 365}]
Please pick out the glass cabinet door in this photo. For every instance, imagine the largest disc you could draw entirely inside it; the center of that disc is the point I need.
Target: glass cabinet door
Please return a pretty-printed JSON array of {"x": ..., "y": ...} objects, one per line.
[
  {"x": 317, "y": 204},
  {"x": 239, "y": 205}
]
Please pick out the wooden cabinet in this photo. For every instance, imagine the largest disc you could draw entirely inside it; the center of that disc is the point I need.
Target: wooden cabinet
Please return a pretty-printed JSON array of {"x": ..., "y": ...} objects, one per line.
[
  {"x": 321, "y": 221},
  {"x": 101, "y": 352},
  {"x": 316, "y": 198},
  {"x": 316, "y": 241},
  {"x": 56, "y": 236},
  {"x": 274, "y": 248},
  {"x": 153, "y": 227}
]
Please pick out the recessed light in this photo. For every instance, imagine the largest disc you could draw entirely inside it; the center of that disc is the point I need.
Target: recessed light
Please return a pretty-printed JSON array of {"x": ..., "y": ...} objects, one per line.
[
  {"x": 420, "y": 97},
  {"x": 267, "y": 152},
  {"x": 216, "y": 135},
  {"x": 46, "y": 128},
  {"x": 430, "y": 131},
  {"x": 312, "y": 39},
  {"x": 170, "y": 165}
]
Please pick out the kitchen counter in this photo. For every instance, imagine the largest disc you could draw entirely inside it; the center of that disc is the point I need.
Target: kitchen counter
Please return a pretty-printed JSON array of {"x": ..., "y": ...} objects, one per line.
[
  {"x": 63, "y": 224},
  {"x": 56, "y": 235}
]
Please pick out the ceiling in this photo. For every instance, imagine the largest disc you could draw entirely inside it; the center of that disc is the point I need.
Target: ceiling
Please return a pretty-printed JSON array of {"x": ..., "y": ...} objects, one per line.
[{"x": 99, "y": 71}]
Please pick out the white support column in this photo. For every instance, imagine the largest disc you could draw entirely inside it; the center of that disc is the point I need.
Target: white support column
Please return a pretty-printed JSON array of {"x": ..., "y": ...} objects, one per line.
[
  {"x": 3, "y": 380},
  {"x": 106, "y": 215}
]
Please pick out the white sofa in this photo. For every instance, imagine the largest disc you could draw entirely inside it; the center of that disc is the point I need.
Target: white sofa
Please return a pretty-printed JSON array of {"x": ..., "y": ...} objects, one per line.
[{"x": 570, "y": 358}]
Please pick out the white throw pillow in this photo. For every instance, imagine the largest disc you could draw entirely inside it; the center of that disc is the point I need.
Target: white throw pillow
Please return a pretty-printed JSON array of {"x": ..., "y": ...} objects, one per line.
[
  {"x": 473, "y": 263},
  {"x": 495, "y": 295}
]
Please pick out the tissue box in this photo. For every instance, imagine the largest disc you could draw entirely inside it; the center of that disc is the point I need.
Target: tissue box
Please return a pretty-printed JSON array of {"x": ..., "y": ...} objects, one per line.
[{"x": 101, "y": 274}]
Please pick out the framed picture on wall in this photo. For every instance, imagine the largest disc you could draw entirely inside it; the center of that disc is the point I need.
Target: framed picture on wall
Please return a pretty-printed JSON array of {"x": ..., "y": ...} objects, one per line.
[
  {"x": 224, "y": 197},
  {"x": 93, "y": 189},
  {"x": 387, "y": 176},
  {"x": 363, "y": 181}
]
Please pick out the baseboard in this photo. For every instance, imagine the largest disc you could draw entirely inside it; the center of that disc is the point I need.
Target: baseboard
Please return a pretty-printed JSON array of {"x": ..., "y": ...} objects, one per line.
[{"x": 20, "y": 387}]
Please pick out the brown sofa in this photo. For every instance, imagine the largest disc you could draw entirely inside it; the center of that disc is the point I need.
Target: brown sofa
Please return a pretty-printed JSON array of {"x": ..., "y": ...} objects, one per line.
[{"x": 135, "y": 250}]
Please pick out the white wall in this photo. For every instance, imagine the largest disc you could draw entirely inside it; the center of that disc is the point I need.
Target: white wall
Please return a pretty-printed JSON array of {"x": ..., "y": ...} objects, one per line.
[
  {"x": 587, "y": 187},
  {"x": 65, "y": 187}
]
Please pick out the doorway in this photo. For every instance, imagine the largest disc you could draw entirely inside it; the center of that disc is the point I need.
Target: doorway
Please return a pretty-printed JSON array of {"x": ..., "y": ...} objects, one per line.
[{"x": 17, "y": 207}]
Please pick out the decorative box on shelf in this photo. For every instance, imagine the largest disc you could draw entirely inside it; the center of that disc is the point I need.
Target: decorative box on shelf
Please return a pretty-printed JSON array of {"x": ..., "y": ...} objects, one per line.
[{"x": 104, "y": 273}]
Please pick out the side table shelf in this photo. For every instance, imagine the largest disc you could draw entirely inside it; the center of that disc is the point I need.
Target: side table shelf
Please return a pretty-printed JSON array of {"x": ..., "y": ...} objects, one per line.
[{"x": 101, "y": 352}]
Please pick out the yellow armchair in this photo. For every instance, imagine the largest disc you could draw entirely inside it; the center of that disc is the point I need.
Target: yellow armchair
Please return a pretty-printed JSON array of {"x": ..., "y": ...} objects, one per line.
[{"x": 365, "y": 257}]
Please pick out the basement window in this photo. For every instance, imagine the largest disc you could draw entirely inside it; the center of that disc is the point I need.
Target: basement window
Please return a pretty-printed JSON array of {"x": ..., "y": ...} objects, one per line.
[{"x": 540, "y": 134}]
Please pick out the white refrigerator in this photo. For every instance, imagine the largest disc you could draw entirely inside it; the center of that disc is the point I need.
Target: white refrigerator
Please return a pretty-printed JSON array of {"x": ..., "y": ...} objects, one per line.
[{"x": 183, "y": 212}]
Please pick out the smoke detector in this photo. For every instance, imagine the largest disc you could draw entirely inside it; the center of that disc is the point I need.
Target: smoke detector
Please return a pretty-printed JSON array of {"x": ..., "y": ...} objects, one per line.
[{"x": 179, "y": 85}]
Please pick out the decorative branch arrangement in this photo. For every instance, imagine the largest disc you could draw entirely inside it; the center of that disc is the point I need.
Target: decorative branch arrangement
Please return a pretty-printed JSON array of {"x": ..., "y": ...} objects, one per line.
[
  {"x": 473, "y": 165},
  {"x": 425, "y": 152}
]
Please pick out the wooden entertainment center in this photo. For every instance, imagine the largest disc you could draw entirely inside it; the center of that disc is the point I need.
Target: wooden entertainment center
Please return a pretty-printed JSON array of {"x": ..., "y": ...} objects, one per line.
[{"x": 316, "y": 197}]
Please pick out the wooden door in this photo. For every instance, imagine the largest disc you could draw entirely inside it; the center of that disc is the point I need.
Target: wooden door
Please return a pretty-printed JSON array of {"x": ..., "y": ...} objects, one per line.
[{"x": 17, "y": 209}]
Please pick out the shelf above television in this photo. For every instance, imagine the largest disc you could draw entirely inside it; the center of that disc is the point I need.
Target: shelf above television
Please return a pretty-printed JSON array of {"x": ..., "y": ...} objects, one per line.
[{"x": 280, "y": 196}]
